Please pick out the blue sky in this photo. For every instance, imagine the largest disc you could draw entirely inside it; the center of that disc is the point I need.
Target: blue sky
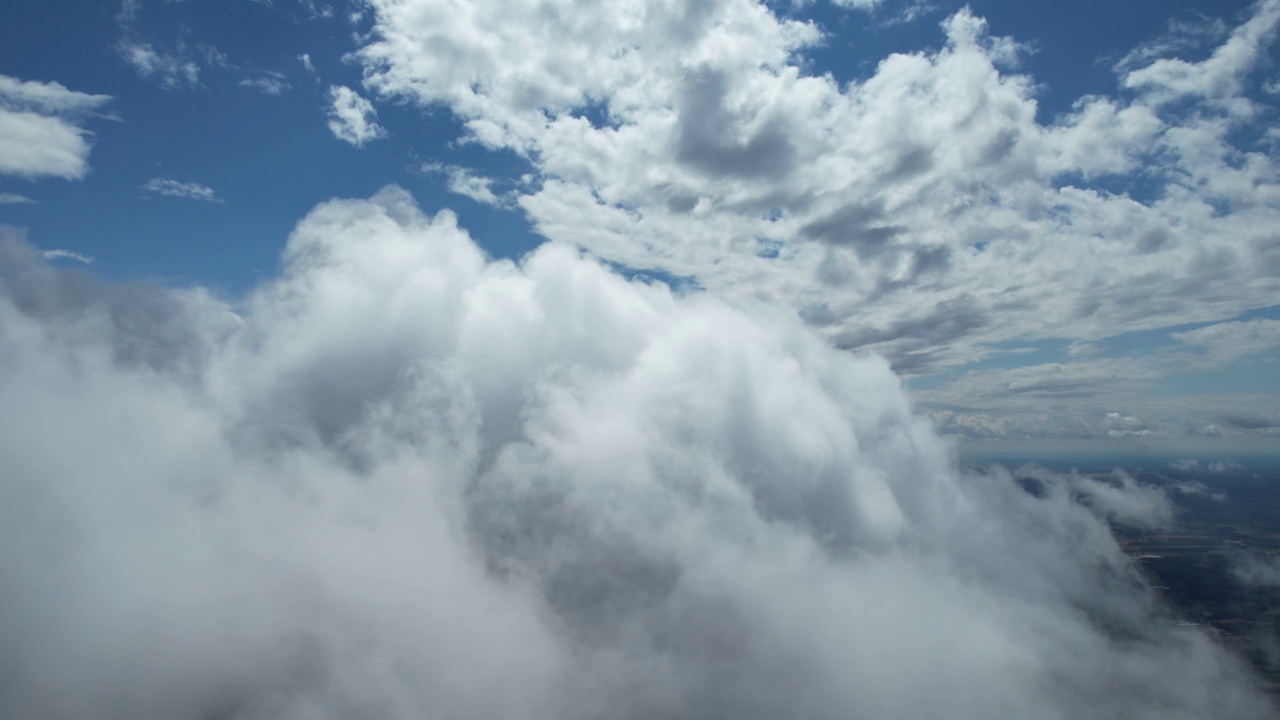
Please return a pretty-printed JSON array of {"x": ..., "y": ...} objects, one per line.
[{"x": 1032, "y": 270}]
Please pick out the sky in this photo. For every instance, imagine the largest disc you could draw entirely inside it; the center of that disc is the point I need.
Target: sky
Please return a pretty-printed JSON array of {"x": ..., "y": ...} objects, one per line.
[
  {"x": 1057, "y": 223},
  {"x": 546, "y": 358}
]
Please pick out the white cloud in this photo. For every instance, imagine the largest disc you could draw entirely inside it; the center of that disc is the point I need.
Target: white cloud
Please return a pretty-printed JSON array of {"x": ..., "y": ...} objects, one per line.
[
  {"x": 1227, "y": 341},
  {"x": 40, "y": 132},
  {"x": 67, "y": 255},
  {"x": 268, "y": 83},
  {"x": 305, "y": 59},
  {"x": 923, "y": 212},
  {"x": 188, "y": 190},
  {"x": 8, "y": 198},
  {"x": 172, "y": 70},
  {"x": 352, "y": 117},
  {"x": 402, "y": 480},
  {"x": 462, "y": 182}
]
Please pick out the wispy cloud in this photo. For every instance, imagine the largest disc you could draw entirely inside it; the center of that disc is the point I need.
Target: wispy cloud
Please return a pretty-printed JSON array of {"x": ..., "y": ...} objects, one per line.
[
  {"x": 269, "y": 83},
  {"x": 67, "y": 255},
  {"x": 14, "y": 199},
  {"x": 352, "y": 117},
  {"x": 174, "y": 188},
  {"x": 172, "y": 70},
  {"x": 463, "y": 182}
]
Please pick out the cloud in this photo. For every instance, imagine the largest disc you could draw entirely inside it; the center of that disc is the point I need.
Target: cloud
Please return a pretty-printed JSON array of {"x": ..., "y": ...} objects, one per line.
[
  {"x": 14, "y": 199},
  {"x": 305, "y": 59},
  {"x": 172, "y": 70},
  {"x": 188, "y": 190},
  {"x": 401, "y": 479},
  {"x": 1227, "y": 341},
  {"x": 673, "y": 140},
  {"x": 352, "y": 117},
  {"x": 40, "y": 129},
  {"x": 269, "y": 83},
  {"x": 1257, "y": 570},
  {"x": 462, "y": 182},
  {"x": 67, "y": 255}
]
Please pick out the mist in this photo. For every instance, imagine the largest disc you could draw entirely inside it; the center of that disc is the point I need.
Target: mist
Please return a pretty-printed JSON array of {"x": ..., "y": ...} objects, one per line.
[{"x": 405, "y": 480}]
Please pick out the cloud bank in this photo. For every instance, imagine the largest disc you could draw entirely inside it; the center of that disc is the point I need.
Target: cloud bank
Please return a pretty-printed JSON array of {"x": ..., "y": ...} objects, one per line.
[{"x": 404, "y": 480}]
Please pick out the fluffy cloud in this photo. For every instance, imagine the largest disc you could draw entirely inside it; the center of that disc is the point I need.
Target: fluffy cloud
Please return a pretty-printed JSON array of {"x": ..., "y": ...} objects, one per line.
[
  {"x": 403, "y": 480},
  {"x": 175, "y": 188},
  {"x": 887, "y": 211},
  {"x": 352, "y": 117},
  {"x": 40, "y": 129}
]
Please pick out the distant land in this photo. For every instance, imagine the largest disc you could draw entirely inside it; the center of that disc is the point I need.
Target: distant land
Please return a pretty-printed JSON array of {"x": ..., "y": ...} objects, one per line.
[{"x": 1227, "y": 512}]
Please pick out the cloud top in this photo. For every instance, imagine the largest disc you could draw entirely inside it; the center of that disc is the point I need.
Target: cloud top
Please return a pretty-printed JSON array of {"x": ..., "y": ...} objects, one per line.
[{"x": 401, "y": 479}]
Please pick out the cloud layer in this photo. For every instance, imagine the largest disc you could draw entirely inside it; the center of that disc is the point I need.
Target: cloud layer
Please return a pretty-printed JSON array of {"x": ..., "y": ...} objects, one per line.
[
  {"x": 402, "y": 480},
  {"x": 925, "y": 212}
]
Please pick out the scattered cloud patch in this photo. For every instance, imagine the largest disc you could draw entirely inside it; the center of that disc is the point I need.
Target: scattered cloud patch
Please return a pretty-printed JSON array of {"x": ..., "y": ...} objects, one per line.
[
  {"x": 462, "y": 182},
  {"x": 902, "y": 198},
  {"x": 270, "y": 83},
  {"x": 305, "y": 59},
  {"x": 175, "y": 188},
  {"x": 170, "y": 69},
  {"x": 8, "y": 198},
  {"x": 352, "y": 118}
]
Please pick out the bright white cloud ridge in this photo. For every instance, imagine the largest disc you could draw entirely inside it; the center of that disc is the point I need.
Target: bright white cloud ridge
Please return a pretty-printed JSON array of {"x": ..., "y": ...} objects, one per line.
[{"x": 401, "y": 480}]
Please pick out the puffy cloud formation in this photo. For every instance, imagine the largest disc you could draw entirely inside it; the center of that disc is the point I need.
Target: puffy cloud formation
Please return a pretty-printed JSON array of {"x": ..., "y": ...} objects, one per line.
[
  {"x": 925, "y": 212},
  {"x": 40, "y": 130},
  {"x": 352, "y": 117},
  {"x": 402, "y": 480}
]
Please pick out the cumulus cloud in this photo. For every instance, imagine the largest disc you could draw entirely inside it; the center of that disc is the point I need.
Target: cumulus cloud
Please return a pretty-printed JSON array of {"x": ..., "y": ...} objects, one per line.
[
  {"x": 40, "y": 129},
  {"x": 401, "y": 479},
  {"x": 188, "y": 190},
  {"x": 352, "y": 117},
  {"x": 891, "y": 207}
]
